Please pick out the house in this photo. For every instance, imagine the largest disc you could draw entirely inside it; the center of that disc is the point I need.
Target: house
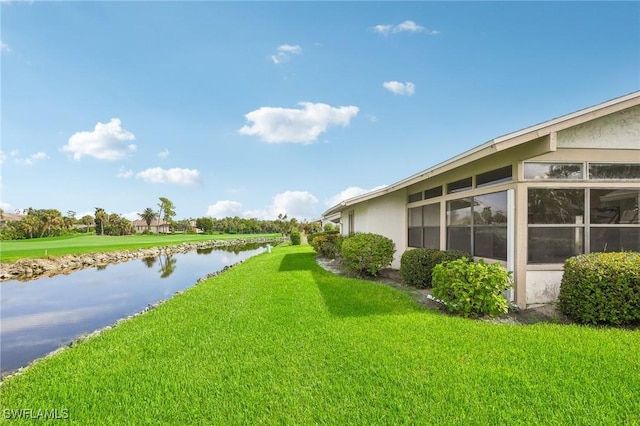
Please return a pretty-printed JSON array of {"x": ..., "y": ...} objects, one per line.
[
  {"x": 529, "y": 199},
  {"x": 157, "y": 227},
  {"x": 10, "y": 217}
]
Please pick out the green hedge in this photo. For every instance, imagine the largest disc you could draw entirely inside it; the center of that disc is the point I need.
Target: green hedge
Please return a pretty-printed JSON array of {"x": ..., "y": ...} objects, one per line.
[
  {"x": 295, "y": 238},
  {"x": 601, "y": 288},
  {"x": 472, "y": 289},
  {"x": 326, "y": 244},
  {"x": 367, "y": 253},
  {"x": 416, "y": 265}
]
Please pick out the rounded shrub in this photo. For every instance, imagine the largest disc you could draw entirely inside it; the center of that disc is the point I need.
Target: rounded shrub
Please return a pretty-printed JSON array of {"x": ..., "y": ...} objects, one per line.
[
  {"x": 472, "y": 289},
  {"x": 367, "y": 253},
  {"x": 326, "y": 244},
  {"x": 416, "y": 265},
  {"x": 601, "y": 288},
  {"x": 295, "y": 238}
]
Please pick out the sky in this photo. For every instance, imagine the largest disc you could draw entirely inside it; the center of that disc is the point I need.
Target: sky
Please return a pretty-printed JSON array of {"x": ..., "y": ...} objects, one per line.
[{"x": 255, "y": 109}]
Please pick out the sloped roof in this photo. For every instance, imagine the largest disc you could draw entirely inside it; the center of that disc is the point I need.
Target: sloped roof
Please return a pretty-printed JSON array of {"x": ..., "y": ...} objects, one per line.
[{"x": 500, "y": 143}]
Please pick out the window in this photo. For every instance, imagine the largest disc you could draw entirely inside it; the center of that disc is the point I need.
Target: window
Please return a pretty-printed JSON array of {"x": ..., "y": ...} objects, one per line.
[
  {"x": 492, "y": 177},
  {"x": 433, "y": 192},
  {"x": 424, "y": 226},
  {"x": 459, "y": 185},
  {"x": 556, "y": 224},
  {"x": 613, "y": 219},
  {"x": 415, "y": 197},
  {"x": 351, "y": 223},
  {"x": 553, "y": 171},
  {"x": 478, "y": 225},
  {"x": 613, "y": 171}
]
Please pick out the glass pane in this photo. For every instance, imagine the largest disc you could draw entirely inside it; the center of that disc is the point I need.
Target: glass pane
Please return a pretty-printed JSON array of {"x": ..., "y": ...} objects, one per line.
[
  {"x": 555, "y": 206},
  {"x": 490, "y": 208},
  {"x": 614, "y": 171},
  {"x": 431, "y": 237},
  {"x": 490, "y": 241},
  {"x": 415, "y": 197},
  {"x": 459, "y": 238},
  {"x": 459, "y": 185},
  {"x": 494, "y": 176},
  {"x": 615, "y": 239},
  {"x": 431, "y": 215},
  {"x": 415, "y": 216},
  {"x": 614, "y": 205},
  {"x": 459, "y": 212},
  {"x": 553, "y": 171},
  {"x": 415, "y": 237},
  {"x": 433, "y": 192},
  {"x": 554, "y": 245}
]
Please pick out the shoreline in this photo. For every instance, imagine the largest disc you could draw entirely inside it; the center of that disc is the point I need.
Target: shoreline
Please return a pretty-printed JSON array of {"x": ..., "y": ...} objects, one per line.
[{"x": 29, "y": 269}]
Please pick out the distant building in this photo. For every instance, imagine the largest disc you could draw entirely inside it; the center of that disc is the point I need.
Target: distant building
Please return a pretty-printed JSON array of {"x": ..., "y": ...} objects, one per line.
[
  {"x": 157, "y": 227},
  {"x": 529, "y": 199},
  {"x": 10, "y": 217}
]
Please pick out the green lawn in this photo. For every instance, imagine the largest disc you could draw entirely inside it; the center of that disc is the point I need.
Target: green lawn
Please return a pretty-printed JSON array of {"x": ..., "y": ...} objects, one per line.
[
  {"x": 278, "y": 340},
  {"x": 12, "y": 250}
]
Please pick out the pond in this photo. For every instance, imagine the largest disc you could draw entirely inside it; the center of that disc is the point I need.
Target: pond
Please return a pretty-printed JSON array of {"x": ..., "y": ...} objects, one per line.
[{"x": 39, "y": 316}]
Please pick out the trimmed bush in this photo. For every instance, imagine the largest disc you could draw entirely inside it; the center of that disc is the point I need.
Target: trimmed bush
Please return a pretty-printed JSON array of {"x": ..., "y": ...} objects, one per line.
[
  {"x": 416, "y": 265},
  {"x": 295, "y": 238},
  {"x": 367, "y": 253},
  {"x": 326, "y": 244},
  {"x": 472, "y": 289},
  {"x": 601, "y": 288}
]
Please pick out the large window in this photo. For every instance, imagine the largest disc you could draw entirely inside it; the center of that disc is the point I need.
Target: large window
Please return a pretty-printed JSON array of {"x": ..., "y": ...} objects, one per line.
[
  {"x": 614, "y": 171},
  {"x": 560, "y": 226},
  {"x": 478, "y": 225},
  {"x": 613, "y": 219},
  {"x": 553, "y": 171},
  {"x": 556, "y": 224},
  {"x": 424, "y": 226}
]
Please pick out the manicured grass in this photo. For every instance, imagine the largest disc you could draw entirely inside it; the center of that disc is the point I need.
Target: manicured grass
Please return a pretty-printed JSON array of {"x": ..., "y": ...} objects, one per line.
[
  {"x": 278, "y": 340},
  {"x": 10, "y": 251}
]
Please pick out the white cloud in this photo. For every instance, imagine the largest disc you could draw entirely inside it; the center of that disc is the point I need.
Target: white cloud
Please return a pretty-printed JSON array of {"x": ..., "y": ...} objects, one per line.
[
  {"x": 163, "y": 154},
  {"x": 298, "y": 204},
  {"x": 276, "y": 125},
  {"x": 35, "y": 157},
  {"x": 6, "y": 207},
  {"x": 284, "y": 53},
  {"x": 3, "y": 156},
  {"x": 4, "y": 47},
  {"x": 124, "y": 173},
  {"x": 225, "y": 208},
  {"x": 173, "y": 176},
  {"x": 130, "y": 216},
  {"x": 406, "y": 26},
  {"x": 398, "y": 88},
  {"x": 108, "y": 141},
  {"x": 350, "y": 192}
]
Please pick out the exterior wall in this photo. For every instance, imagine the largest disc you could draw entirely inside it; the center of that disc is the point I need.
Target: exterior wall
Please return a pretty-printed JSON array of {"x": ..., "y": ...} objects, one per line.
[
  {"x": 388, "y": 216},
  {"x": 543, "y": 286},
  {"x": 618, "y": 131}
]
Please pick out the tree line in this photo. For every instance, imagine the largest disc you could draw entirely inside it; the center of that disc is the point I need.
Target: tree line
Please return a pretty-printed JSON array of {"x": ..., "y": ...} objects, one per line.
[{"x": 39, "y": 223}]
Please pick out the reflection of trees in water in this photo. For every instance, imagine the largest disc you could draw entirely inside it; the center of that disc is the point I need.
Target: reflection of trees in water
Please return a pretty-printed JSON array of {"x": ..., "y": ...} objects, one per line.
[
  {"x": 167, "y": 265},
  {"x": 207, "y": 250},
  {"x": 149, "y": 261},
  {"x": 102, "y": 267},
  {"x": 236, "y": 249}
]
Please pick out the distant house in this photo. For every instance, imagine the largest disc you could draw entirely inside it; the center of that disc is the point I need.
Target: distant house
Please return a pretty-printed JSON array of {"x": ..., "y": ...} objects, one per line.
[
  {"x": 157, "y": 227},
  {"x": 10, "y": 217},
  {"x": 529, "y": 199}
]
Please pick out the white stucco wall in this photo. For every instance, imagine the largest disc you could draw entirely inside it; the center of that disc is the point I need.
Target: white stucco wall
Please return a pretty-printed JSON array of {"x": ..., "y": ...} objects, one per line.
[
  {"x": 388, "y": 216},
  {"x": 543, "y": 286},
  {"x": 616, "y": 131}
]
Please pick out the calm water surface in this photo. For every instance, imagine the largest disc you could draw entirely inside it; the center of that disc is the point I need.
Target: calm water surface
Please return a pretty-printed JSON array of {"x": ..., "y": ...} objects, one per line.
[{"x": 39, "y": 316}]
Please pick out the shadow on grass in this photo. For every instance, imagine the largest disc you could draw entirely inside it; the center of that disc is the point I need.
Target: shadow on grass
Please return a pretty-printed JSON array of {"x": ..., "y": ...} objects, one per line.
[{"x": 348, "y": 297}]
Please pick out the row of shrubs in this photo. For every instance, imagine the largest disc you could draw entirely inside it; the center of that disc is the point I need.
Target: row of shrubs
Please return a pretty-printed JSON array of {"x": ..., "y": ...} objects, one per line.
[
  {"x": 464, "y": 287},
  {"x": 596, "y": 288}
]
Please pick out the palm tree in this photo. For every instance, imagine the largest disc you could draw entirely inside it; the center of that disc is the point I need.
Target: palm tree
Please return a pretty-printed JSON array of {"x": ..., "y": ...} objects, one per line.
[
  {"x": 101, "y": 218},
  {"x": 148, "y": 215}
]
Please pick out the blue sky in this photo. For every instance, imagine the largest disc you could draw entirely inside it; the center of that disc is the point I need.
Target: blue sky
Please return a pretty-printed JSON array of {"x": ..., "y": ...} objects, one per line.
[{"x": 254, "y": 109}]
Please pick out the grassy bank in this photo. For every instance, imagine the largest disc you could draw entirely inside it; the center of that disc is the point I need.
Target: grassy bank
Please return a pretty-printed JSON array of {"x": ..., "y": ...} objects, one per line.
[
  {"x": 10, "y": 251},
  {"x": 278, "y": 340}
]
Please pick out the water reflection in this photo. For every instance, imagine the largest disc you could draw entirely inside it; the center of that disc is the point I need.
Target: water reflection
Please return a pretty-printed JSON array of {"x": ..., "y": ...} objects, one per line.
[{"x": 38, "y": 316}]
